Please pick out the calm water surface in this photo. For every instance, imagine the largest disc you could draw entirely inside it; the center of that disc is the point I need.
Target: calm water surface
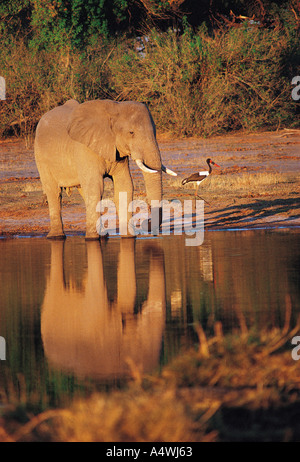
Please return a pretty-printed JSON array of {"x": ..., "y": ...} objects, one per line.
[{"x": 78, "y": 316}]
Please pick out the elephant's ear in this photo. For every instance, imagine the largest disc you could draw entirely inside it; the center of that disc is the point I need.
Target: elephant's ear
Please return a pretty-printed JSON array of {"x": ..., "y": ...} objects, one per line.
[{"x": 90, "y": 124}]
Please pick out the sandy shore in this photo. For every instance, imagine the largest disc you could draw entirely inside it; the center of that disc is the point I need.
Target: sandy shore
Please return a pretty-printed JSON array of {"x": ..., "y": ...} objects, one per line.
[{"x": 257, "y": 186}]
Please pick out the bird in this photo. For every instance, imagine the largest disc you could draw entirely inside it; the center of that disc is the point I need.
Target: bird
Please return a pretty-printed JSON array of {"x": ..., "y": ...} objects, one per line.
[{"x": 200, "y": 176}]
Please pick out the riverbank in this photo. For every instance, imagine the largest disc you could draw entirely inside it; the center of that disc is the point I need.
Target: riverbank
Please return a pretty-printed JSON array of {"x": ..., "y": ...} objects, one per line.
[{"x": 257, "y": 185}]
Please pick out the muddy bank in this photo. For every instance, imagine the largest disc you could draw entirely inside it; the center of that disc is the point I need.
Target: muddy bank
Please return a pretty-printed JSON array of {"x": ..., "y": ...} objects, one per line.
[{"x": 257, "y": 185}]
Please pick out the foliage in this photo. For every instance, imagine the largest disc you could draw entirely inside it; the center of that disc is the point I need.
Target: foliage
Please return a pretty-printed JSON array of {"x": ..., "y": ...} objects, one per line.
[
  {"x": 196, "y": 81},
  {"x": 37, "y": 82},
  {"x": 31, "y": 87},
  {"x": 202, "y": 84},
  {"x": 59, "y": 23},
  {"x": 235, "y": 387},
  {"x": 52, "y": 24},
  {"x": 77, "y": 23}
]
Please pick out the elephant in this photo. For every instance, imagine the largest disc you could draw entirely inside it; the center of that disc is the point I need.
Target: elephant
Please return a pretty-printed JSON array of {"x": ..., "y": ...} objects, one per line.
[
  {"x": 87, "y": 334},
  {"x": 78, "y": 145}
]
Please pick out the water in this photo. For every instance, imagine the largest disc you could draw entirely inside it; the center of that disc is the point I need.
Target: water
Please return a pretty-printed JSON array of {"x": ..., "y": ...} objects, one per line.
[{"x": 80, "y": 316}]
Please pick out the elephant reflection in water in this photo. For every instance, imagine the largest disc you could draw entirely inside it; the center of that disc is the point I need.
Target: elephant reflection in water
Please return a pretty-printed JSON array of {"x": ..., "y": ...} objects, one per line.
[{"x": 86, "y": 334}]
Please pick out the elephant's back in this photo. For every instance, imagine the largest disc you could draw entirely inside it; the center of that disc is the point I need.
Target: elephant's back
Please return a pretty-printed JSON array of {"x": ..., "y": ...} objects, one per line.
[
  {"x": 52, "y": 127},
  {"x": 59, "y": 115}
]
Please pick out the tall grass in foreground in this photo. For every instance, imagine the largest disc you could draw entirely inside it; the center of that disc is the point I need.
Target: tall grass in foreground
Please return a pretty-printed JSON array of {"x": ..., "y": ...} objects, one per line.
[
  {"x": 194, "y": 83},
  {"x": 235, "y": 387}
]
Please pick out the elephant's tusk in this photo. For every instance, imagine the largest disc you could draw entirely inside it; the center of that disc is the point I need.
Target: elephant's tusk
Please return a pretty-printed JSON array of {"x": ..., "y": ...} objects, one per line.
[
  {"x": 143, "y": 167},
  {"x": 168, "y": 170}
]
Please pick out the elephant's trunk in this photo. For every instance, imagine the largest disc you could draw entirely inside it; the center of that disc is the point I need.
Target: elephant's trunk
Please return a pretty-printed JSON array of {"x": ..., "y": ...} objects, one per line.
[
  {"x": 151, "y": 158},
  {"x": 153, "y": 174},
  {"x": 153, "y": 183}
]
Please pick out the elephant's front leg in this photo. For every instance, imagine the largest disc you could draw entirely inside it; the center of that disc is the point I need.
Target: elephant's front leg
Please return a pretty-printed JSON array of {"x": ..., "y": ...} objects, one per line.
[
  {"x": 123, "y": 194},
  {"x": 92, "y": 192}
]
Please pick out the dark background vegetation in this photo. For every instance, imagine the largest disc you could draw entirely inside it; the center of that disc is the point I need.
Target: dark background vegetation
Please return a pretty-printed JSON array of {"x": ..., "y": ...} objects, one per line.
[{"x": 203, "y": 67}]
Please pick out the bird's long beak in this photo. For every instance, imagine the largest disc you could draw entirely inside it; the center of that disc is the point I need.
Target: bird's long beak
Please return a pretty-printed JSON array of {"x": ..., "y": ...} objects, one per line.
[{"x": 216, "y": 165}]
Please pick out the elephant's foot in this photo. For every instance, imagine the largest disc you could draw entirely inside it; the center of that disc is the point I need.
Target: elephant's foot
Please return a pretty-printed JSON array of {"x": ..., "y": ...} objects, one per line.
[
  {"x": 127, "y": 231},
  {"x": 128, "y": 236},
  {"x": 92, "y": 237},
  {"x": 147, "y": 226},
  {"x": 56, "y": 236},
  {"x": 44, "y": 201}
]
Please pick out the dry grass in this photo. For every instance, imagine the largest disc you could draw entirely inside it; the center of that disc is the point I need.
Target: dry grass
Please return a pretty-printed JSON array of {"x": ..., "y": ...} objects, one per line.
[
  {"x": 248, "y": 180},
  {"x": 133, "y": 416},
  {"x": 194, "y": 83},
  {"x": 201, "y": 396},
  {"x": 237, "y": 182},
  {"x": 230, "y": 81}
]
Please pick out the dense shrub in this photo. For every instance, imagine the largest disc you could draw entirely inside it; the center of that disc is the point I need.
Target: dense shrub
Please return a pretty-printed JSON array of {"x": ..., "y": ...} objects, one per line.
[
  {"x": 38, "y": 81},
  {"x": 199, "y": 83},
  {"x": 34, "y": 84}
]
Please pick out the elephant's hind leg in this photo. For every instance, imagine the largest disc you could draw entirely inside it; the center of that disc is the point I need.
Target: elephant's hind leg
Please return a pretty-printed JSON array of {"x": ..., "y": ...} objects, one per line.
[
  {"x": 92, "y": 194},
  {"x": 54, "y": 197}
]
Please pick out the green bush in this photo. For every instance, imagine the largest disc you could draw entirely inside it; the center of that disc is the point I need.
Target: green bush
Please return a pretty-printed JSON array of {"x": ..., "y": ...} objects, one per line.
[
  {"x": 250, "y": 89},
  {"x": 165, "y": 76},
  {"x": 35, "y": 83},
  {"x": 38, "y": 81},
  {"x": 202, "y": 85},
  {"x": 195, "y": 84}
]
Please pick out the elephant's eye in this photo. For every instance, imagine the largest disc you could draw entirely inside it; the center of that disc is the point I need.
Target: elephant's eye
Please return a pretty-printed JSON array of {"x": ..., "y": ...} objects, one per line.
[{"x": 131, "y": 133}]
